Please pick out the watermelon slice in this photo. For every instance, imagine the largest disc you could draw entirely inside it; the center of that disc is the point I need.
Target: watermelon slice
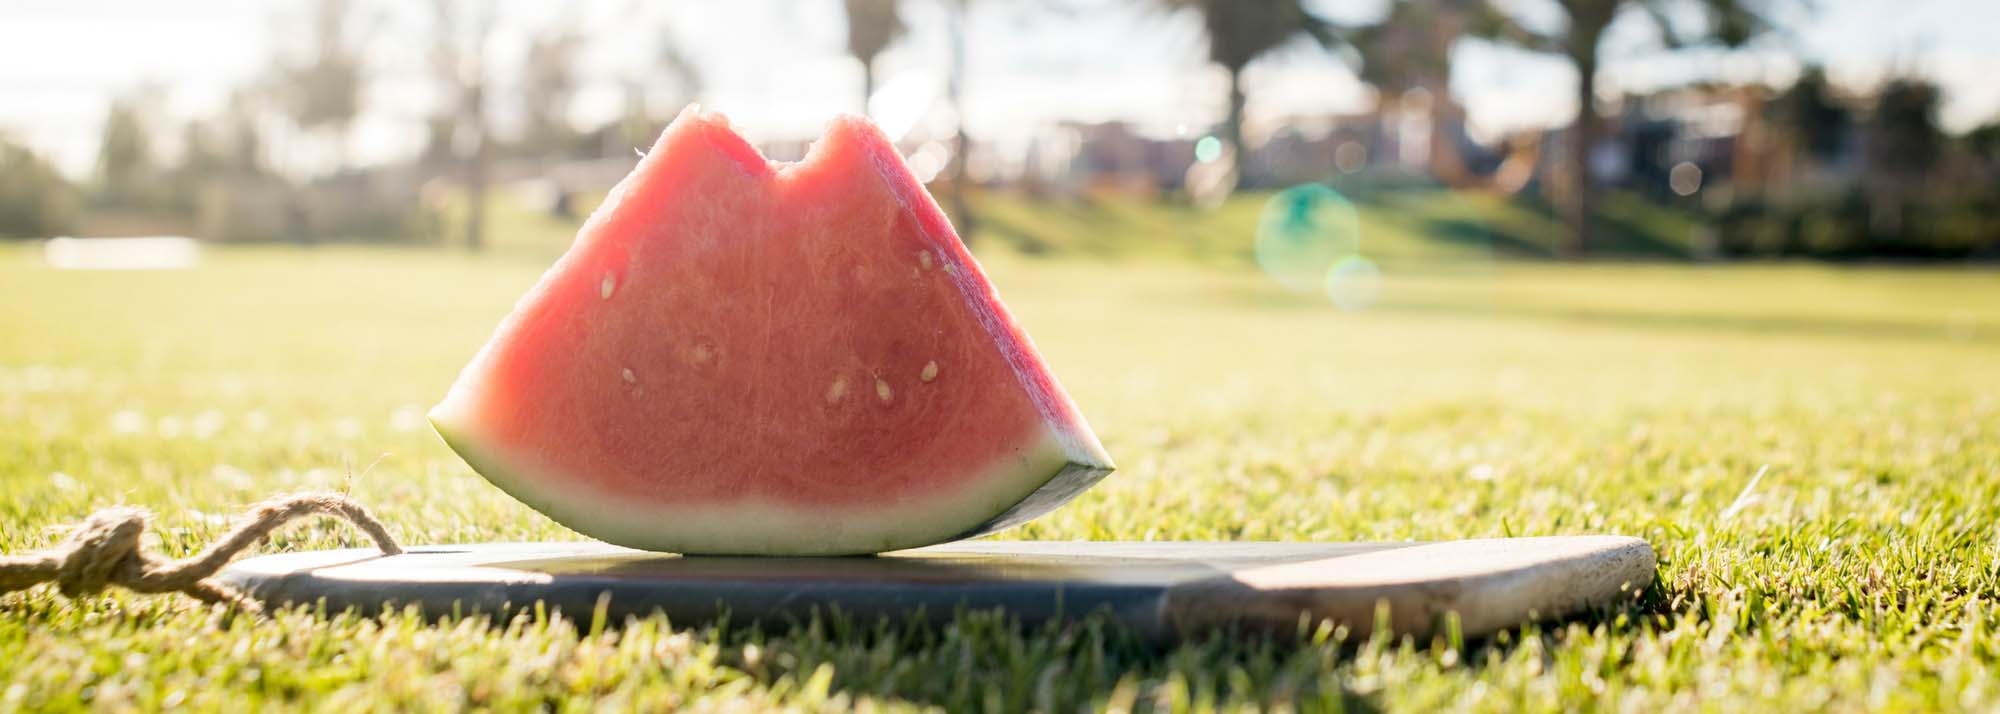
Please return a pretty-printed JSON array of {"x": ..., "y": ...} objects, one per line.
[{"x": 739, "y": 356}]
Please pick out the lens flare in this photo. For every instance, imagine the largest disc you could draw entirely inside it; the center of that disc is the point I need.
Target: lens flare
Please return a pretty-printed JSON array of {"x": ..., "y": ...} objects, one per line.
[
  {"x": 1685, "y": 178},
  {"x": 1303, "y": 231},
  {"x": 1209, "y": 184},
  {"x": 1208, "y": 149},
  {"x": 901, "y": 103},
  {"x": 928, "y": 160},
  {"x": 1354, "y": 283}
]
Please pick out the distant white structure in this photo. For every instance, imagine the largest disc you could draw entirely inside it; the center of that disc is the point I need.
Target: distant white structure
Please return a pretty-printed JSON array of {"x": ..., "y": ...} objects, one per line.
[{"x": 141, "y": 253}]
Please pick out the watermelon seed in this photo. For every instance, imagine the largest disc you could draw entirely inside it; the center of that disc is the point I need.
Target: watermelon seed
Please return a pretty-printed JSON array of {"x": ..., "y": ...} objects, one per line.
[
  {"x": 837, "y": 389},
  {"x": 610, "y": 283},
  {"x": 630, "y": 378},
  {"x": 930, "y": 371},
  {"x": 882, "y": 390}
]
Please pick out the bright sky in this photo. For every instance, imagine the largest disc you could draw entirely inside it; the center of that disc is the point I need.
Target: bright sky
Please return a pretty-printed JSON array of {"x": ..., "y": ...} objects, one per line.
[{"x": 777, "y": 67}]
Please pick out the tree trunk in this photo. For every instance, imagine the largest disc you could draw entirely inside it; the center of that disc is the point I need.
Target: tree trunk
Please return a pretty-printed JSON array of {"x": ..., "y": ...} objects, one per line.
[
  {"x": 1581, "y": 202},
  {"x": 1233, "y": 126},
  {"x": 867, "y": 82},
  {"x": 1447, "y": 163},
  {"x": 1587, "y": 22},
  {"x": 476, "y": 172},
  {"x": 341, "y": 155},
  {"x": 961, "y": 209},
  {"x": 1750, "y": 158},
  {"x": 1377, "y": 141}
]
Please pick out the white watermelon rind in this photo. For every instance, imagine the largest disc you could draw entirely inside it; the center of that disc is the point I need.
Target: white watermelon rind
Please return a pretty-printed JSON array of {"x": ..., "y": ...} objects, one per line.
[{"x": 1043, "y": 475}]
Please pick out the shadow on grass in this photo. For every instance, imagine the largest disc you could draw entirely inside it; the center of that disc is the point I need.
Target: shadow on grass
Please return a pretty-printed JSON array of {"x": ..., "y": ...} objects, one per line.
[
  {"x": 1470, "y": 234},
  {"x": 964, "y": 659},
  {"x": 1778, "y": 325},
  {"x": 1269, "y": 298},
  {"x": 989, "y": 661},
  {"x": 1023, "y": 241},
  {"x": 1623, "y": 226},
  {"x": 986, "y": 661}
]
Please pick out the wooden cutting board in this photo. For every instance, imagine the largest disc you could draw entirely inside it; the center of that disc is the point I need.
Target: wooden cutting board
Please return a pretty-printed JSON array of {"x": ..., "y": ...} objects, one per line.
[{"x": 1163, "y": 590}]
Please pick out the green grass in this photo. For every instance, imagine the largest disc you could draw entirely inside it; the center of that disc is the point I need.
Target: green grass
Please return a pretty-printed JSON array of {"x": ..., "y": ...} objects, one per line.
[
  {"x": 1477, "y": 399},
  {"x": 1398, "y": 222}
]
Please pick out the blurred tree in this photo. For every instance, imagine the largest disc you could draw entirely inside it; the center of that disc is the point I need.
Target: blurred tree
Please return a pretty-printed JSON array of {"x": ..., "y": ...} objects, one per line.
[
  {"x": 125, "y": 169},
  {"x": 961, "y": 145},
  {"x": 1410, "y": 49},
  {"x": 1904, "y": 138},
  {"x": 1984, "y": 140},
  {"x": 872, "y": 25},
  {"x": 1904, "y": 149},
  {"x": 458, "y": 59},
  {"x": 227, "y": 144},
  {"x": 246, "y": 141},
  {"x": 548, "y": 83},
  {"x": 202, "y": 159},
  {"x": 220, "y": 184},
  {"x": 643, "y": 107},
  {"x": 439, "y": 128},
  {"x": 203, "y": 151},
  {"x": 35, "y": 200},
  {"x": 1730, "y": 23},
  {"x": 678, "y": 68},
  {"x": 1983, "y": 143},
  {"x": 1239, "y": 32},
  {"x": 1810, "y": 126},
  {"x": 323, "y": 92},
  {"x": 1813, "y": 118}
]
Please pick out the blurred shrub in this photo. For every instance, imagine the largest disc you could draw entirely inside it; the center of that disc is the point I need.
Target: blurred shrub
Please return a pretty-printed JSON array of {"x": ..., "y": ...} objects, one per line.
[
  {"x": 1846, "y": 225},
  {"x": 378, "y": 206},
  {"x": 373, "y": 206},
  {"x": 245, "y": 210},
  {"x": 35, "y": 201}
]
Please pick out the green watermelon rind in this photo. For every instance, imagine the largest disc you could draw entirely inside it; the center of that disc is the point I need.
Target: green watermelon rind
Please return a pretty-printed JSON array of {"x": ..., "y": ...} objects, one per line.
[{"x": 1045, "y": 476}]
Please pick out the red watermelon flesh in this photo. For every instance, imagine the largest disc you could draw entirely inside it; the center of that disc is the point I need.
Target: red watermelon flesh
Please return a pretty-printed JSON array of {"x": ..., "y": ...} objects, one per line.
[{"x": 738, "y": 356}]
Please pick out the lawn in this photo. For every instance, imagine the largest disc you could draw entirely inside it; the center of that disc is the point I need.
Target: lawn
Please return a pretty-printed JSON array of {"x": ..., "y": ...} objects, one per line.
[{"x": 1475, "y": 399}]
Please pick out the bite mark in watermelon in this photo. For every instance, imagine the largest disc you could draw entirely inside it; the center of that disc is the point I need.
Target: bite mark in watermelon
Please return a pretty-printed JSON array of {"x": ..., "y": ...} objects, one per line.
[{"x": 739, "y": 356}]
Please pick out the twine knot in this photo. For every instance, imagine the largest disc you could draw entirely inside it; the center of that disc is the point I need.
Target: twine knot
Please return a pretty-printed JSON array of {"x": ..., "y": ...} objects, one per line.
[
  {"x": 104, "y": 550},
  {"x": 105, "y": 547}
]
